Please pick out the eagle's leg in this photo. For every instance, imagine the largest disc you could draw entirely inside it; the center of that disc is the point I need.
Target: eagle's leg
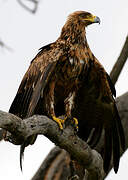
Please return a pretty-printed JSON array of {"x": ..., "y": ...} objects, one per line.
[
  {"x": 50, "y": 101},
  {"x": 69, "y": 101}
]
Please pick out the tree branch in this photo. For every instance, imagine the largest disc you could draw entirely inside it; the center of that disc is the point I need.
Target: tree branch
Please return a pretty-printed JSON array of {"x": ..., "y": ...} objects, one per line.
[
  {"x": 66, "y": 139},
  {"x": 117, "y": 68},
  {"x": 58, "y": 158}
]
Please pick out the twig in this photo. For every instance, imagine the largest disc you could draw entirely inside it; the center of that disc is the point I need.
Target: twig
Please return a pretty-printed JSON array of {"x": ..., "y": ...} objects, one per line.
[
  {"x": 35, "y": 3},
  {"x": 120, "y": 62},
  {"x": 66, "y": 139},
  {"x": 3, "y": 45}
]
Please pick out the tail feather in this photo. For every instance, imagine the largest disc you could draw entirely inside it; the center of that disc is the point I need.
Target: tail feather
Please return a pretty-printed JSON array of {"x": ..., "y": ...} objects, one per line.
[
  {"x": 22, "y": 148},
  {"x": 28, "y": 141}
]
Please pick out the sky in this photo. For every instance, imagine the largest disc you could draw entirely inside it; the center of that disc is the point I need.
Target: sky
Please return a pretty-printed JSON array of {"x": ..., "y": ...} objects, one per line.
[{"x": 25, "y": 33}]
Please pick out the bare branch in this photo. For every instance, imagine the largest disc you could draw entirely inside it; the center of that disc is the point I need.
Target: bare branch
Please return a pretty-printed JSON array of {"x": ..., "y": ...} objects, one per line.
[
  {"x": 59, "y": 160},
  {"x": 26, "y": 7},
  {"x": 120, "y": 62},
  {"x": 3, "y": 45},
  {"x": 66, "y": 139}
]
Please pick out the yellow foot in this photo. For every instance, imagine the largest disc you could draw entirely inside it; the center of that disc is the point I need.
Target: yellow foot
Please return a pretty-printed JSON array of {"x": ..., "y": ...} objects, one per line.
[
  {"x": 74, "y": 121},
  {"x": 59, "y": 121}
]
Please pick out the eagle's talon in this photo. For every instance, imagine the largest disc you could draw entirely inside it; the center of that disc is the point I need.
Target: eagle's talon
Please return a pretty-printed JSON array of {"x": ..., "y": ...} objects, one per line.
[
  {"x": 73, "y": 121},
  {"x": 76, "y": 121},
  {"x": 76, "y": 124},
  {"x": 59, "y": 121}
]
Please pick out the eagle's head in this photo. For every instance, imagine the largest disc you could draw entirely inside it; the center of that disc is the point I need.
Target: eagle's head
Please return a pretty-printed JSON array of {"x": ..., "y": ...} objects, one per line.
[
  {"x": 84, "y": 18},
  {"x": 74, "y": 28}
]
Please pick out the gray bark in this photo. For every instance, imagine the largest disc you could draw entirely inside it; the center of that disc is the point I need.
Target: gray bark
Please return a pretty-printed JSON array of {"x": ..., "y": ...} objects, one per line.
[
  {"x": 66, "y": 139},
  {"x": 117, "y": 68}
]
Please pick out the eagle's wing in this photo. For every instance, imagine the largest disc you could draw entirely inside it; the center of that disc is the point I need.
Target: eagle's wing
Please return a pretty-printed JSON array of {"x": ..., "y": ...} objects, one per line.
[
  {"x": 112, "y": 87},
  {"x": 114, "y": 134},
  {"x": 97, "y": 132},
  {"x": 32, "y": 87},
  {"x": 114, "y": 139},
  {"x": 96, "y": 110},
  {"x": 33, "y": 84}
]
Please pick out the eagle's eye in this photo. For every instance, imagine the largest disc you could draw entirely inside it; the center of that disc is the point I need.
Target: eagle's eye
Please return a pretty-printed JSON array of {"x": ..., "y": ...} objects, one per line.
[
  {"x": 85, "y": 15},
  {"x": 88, "y": 18}
]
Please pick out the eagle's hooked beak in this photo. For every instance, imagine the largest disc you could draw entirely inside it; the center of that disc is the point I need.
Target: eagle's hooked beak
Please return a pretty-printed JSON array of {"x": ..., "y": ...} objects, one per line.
[
  {"x": 92, "y": 19},
  {"x": 96, "y": 19}
]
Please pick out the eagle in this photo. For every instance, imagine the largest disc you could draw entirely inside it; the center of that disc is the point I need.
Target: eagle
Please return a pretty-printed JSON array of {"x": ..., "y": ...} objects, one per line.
[{"x": 65, "y": 78}]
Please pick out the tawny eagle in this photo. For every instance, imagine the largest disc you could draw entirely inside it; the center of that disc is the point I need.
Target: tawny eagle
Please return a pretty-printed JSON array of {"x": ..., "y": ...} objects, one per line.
[{"x": 66, "y": 78}]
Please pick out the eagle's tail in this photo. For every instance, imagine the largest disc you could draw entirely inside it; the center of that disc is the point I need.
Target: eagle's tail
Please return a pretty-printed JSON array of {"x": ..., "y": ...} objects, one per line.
[
  {"x": 22, "y": 148},
  {"x": 28, "y": 141}
]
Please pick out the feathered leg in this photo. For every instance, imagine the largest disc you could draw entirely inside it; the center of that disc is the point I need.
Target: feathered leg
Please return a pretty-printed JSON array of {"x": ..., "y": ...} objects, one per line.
[
  {"x": 50, "y": 105},
  {"x": 69, "y": 102}
]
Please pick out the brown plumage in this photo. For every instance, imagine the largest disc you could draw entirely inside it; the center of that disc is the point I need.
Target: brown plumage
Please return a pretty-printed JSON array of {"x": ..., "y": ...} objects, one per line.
[{"x": 66, "y": 78}]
